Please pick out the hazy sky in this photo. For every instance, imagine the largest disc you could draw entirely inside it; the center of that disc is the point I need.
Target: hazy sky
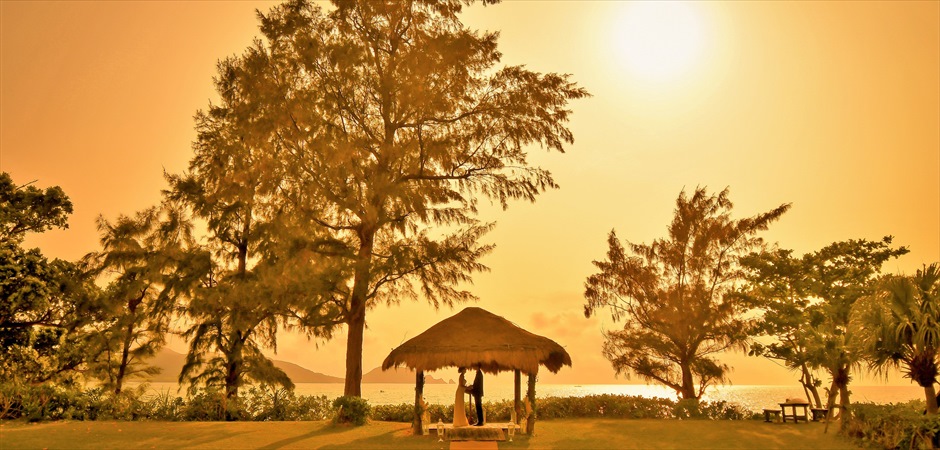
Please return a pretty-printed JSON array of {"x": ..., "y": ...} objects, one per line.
[{"x": 834, "y": 107}]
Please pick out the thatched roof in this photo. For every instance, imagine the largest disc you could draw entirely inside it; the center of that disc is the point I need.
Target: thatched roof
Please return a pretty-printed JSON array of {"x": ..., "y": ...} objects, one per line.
[{"x": 476, "y": 338}]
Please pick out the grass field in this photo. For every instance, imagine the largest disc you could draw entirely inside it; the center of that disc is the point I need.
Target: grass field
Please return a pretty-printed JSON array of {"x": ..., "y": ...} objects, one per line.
[{"x": 556, "y": 434}]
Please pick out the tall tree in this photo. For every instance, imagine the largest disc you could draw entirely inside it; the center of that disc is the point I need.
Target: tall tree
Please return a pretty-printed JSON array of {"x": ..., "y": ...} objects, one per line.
[
  {"x": 776, "y": 285},
  {"x": 674, "y": 294},
  {"x": 838, "y": 275},
  {"x": 144, "y": 258},
  {"x": 250, "y": 281},
  {"x": 902, "y": 323},
  {"x": 392, "y": 120},
  {"x": 46, "y": 305}
]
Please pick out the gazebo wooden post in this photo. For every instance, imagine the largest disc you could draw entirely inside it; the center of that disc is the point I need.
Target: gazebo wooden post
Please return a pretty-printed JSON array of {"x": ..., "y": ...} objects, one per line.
[
  {"x": 530, "y": 422},
  {"x": 517, "y": 398},
  {"x": 419, "y": 392}
]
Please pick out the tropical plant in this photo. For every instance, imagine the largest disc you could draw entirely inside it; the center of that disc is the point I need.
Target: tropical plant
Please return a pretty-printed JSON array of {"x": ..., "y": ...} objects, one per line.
[
  {"x": 776, "y": 285},
  {"x": 837, "y": 276},
  {"x": 673, "y": 294},
  {"x": 902, "y": 323}
]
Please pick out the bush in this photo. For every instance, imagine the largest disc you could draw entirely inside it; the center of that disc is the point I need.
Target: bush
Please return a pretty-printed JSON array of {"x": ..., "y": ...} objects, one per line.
[
  {"x": 42, "y": 402},
  {"x": 898, "y": 425},
  {"x": 264, "y": 403},
  {"x": 354, "y": 410},
  {"x": 211, "y": 404},
  {"x": 607, "y": 405}
]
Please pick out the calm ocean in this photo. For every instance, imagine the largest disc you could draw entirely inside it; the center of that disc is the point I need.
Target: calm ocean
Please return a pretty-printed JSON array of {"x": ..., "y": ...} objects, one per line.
[{"x": 753, "y": 397}]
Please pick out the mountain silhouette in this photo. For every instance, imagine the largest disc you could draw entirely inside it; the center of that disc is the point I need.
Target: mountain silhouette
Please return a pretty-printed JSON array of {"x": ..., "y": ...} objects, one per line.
[{"x": 172, "y": 362}]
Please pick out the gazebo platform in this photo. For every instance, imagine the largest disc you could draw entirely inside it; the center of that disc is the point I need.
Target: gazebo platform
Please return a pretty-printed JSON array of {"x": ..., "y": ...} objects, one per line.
[{"x": 488, "y": 432}]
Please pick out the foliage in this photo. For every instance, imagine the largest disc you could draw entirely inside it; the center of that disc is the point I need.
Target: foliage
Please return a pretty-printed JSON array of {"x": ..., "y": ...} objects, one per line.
[
  {"x": 266, "y": 403},
  {"x": 807, "y": 304},
  {"x": 349, "y": 409},
  {"x": 591, "y": 406},
  {"x": 777, "y": 285},
  {"x": 26, "y": 208},
  {"x": 146, "y": 262},
  {"x": 45, "y": 402},
  {"x": 256, "y": 276},
  {"x": 671, "y": 294},
  {"x": 46, "y": 306},
  {"x": 387, "y": 121},
  {"x": 839, "y": 275},
  {"x": 902, "y": 323},
  {"x": 899, "y": 425}
]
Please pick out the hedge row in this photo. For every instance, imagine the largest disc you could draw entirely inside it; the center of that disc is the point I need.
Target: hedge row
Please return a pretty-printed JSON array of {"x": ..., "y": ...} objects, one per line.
[{"x": 51, "y": 402}]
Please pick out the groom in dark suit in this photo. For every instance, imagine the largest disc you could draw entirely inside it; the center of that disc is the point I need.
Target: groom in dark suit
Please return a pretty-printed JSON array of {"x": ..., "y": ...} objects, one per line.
[{"x": 478, "y": 396}]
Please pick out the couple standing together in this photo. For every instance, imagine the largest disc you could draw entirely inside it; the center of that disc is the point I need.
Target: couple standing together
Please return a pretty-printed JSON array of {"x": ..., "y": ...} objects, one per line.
[{"x": 476, "y": 390}]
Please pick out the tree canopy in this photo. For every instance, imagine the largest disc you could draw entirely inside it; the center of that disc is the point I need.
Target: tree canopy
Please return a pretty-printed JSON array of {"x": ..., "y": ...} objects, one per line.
[
  {"x": 386, "y": 123},
  {"x": 673, "y": 294}
]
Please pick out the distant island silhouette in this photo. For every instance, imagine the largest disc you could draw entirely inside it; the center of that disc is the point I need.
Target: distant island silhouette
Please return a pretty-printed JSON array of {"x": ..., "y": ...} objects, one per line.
[{"x": 171, "y": 363}]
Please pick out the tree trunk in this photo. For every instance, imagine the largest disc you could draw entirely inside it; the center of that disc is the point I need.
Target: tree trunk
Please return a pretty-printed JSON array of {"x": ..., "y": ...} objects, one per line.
[
  {"x": 357, "y": 317},
  {"x": 517, "y": 395},
  {"x": 809, "y": 385},
  {"x": 844, "y": 404},
  {"x": 688, "y": 383},
  {"x": 419, "y": 409},
  {"x": 530, "y": 422},
  {"x": 930, "y": 394},
  {"x": 125, "y": 357},
  {"x": 233, "y": 366}
]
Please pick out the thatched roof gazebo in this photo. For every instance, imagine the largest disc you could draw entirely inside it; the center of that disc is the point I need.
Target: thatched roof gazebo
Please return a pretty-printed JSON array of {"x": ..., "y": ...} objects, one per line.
[{"x": 478, "y": 339}]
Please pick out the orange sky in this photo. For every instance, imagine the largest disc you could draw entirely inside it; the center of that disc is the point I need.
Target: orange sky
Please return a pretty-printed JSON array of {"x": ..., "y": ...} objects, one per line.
[{"x": 834, "y": 107}]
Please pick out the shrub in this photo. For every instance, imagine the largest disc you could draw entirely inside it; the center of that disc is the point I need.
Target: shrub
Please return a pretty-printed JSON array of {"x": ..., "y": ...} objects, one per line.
[
  {"x": 313, "y": 407},
  {"x": 898, "y": 425},
  {"x": 354, "y": 410},
  {"x": 40, "y": 402},
  {"x": 607, "y": 405},
  {"x": 211, "y": 404}
]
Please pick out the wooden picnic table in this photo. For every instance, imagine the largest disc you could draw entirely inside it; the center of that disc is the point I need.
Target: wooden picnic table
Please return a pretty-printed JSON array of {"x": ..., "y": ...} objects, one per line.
[{"x": 793, "y": 405}]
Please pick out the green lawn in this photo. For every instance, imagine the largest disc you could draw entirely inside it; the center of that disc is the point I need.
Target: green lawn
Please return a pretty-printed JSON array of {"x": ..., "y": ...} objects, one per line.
[{"x": 561, "y": 434}]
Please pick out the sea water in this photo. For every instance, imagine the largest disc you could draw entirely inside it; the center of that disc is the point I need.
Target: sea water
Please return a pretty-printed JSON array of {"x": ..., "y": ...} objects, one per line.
[{"x": 751, "y": 397}]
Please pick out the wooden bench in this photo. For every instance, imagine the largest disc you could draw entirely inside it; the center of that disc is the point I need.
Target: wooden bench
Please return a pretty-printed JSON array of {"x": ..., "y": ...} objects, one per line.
[
  {"x": 794, "y": 416},
  {"x": 771, "y": 412},
  {"x": 819, "y": 413}
]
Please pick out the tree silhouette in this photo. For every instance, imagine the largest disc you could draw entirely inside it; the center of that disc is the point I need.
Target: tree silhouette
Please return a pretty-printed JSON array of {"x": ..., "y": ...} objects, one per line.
[
  {"x": 45, "y": 306},
  {"x": 673, "y": 294},
  {"x": 777, "y": 285},
  {"x": 390, "y": 121},
  {"x": 902, "y": 320},
  {"x": 144, "y": 258},
  {"x": 838, "y": 275},
  {"x": 256, "y": 271}
]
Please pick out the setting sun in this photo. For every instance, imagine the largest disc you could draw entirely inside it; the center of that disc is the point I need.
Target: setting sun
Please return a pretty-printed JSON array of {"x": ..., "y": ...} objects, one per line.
[{"x": 659, "y": 41}]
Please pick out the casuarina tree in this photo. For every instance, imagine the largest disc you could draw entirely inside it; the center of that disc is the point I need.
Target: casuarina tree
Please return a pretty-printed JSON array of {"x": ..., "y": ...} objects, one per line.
[
  {"x": 674, "y": 295},
  {"x": 392, "y": 121}
]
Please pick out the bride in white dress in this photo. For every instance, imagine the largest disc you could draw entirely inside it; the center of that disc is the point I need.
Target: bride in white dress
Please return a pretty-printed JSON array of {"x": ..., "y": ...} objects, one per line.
[{"x": 460, "y": 410}]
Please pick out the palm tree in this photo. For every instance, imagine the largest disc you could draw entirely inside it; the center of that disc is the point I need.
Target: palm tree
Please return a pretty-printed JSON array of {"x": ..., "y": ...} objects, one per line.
[{"x": 903, "y": 320}]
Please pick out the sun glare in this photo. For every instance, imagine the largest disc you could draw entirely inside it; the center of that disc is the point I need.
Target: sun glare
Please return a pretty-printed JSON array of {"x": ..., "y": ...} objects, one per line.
[{"x": 659, "y": 40}]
